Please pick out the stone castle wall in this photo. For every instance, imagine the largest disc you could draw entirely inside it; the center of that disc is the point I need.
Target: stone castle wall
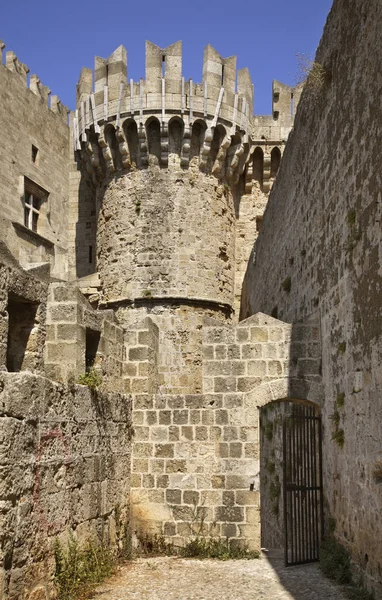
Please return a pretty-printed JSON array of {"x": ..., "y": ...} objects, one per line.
[
  {"x": 196, "y": 457},
  {"x": 64, "y": 467},
  {"x": 26, "y": 120},
  {"x": 320, "y": 251},
  {"x": 152, "y": 237}
]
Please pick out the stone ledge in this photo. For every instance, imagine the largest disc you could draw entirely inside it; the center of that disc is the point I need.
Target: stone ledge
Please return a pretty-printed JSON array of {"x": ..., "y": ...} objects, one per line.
[{"x": 33, "y": 234}]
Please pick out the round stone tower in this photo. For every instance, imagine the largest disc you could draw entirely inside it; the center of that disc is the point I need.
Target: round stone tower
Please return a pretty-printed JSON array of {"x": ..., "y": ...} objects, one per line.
[{"x": 163, "y": 164}]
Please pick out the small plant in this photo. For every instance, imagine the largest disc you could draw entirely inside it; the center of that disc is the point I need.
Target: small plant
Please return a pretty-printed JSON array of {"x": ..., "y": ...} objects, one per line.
[
  {"x": 377, "y": 472},
  {"x": 359, "y": 593},
  {"x": 147, "y": 294},
  {"x": 91, "y": 378},
  {"x": 340, "y": 401},
  {"x": 287, "y": 284},
  {"x": 217, "y": 548},
  {"x": 335, "y": 561},
  {"x": 351, "y": 217},
  {"x": 312, "y": 74},
  {"x": 155, "y": 545},
  {"x": 270, "y": 466},
  {"x": 79, "y": 568},
  {"x": 338, "y": 436},
  {"x": 335, "y": 417},
  {"x": 341, "y": 347}
]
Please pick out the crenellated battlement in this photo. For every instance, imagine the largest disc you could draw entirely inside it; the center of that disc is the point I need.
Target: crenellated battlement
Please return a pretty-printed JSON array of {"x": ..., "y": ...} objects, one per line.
[
  {"x": 32, "y": 82},
  {"x": 223, "y": 93},
  {"x": 120, "y": 122},
  {"x": 223, "y": 96}
]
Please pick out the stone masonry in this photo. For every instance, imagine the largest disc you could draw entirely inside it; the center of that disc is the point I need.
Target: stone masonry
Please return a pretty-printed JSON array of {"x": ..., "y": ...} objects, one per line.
[
  {"x": 328, "y": 192},
  {"x": 195, "y": 458},
  {"x": 125, "y": 240}
]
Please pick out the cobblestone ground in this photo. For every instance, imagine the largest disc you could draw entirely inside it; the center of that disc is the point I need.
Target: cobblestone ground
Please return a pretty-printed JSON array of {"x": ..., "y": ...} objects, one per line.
[{"x": 170, "y": 578}]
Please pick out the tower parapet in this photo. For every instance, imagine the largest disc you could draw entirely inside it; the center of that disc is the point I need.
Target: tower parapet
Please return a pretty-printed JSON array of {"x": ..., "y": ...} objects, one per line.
[
  {"x": 21, "y": 71},
  {"x": 222, "y": 105}
]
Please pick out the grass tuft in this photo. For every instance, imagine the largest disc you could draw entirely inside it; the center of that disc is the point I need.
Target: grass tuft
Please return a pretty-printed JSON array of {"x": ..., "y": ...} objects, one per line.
[
  {"x": 91, "y": 378},
  {"x": 79, "y": 568}
]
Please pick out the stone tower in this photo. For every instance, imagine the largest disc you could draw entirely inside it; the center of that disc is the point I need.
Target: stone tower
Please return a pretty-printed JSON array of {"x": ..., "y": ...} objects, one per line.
[{"x": 165, "y": 164}]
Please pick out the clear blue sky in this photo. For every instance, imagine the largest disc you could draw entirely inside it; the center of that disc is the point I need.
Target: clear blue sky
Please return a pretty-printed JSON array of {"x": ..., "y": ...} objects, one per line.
[{"x": 56, "y": 39}]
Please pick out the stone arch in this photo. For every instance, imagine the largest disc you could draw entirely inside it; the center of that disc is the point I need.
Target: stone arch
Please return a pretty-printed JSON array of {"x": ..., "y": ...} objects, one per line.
[
  {"x": 130, "y": 131},
  {"x": 175, "y": 134},
  {"x": 153, "y": 137},
  {"x": 258, "y": 165},
  {"x": 275, "y": 161},
  {"x": 286, "y": 388},
  {"x": 274, "y": 402},
  {"x": 97, "y": 154},
  {"x": 217, "y": 140},
  {"x": 109, "y": 134},
  {"x": 197, "y": 137}
]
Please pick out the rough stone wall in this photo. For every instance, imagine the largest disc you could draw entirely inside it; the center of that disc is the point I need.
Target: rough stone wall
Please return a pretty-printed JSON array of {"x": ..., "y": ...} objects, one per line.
[
  {"x": 271, "y": 475},
  {"x": 69, "y": 318},
  {"x": 152, "y": 235},
  {"x": 65, "y": 456},
  {"x": 249, "y": 214},
  {"x": 195, "y": 465},
  {"x": 24, "y": 340},
  {"x": 179, "y": 342},
  {"x": 25, "y": 119},
  {"x": 320, "y": 250}
]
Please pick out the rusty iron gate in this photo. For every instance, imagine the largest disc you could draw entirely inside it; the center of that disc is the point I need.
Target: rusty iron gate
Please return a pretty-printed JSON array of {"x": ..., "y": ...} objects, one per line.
[{"x": 302, "y": 486}]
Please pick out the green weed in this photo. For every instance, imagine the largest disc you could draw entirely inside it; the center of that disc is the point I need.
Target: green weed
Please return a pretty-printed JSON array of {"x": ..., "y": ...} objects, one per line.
[
  {"x": 217, "y": 548},
  {"x": 80, "y": 567},
  {"x": 91, "y": 378},
  {"x": 338, "y": 436}
]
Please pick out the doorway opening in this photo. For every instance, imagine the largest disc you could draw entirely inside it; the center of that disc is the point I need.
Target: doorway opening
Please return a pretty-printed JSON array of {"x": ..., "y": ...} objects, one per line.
[{"x": 291, "y": 480}]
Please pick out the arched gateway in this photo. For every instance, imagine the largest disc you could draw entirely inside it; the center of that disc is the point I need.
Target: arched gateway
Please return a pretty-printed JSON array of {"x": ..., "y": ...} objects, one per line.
[{"x": 291, "y": 494}]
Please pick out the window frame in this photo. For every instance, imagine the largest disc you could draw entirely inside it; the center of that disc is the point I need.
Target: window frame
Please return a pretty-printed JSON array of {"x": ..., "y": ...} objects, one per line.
[
  {"x": 32, "y": 205},
  {"x": 34, "y": 196}
]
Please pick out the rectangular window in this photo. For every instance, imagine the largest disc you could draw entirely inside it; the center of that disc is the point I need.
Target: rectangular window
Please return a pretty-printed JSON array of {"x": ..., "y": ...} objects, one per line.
[
  {"x": 31, "y": 210},
  {"x": 34, "y": 196}
]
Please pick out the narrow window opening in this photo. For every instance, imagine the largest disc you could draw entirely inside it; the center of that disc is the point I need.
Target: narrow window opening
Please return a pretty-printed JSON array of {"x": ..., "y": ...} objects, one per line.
[
  {"x": 258, "y": 165},
  {"x": 34, "y": 153},
  {"x": 21, "y": 322},
  {"x": 31, "y": 211},
  {"x": 92, "y": 342},
  {"x": 222, "y": 79},
  {"x": 275, "y": 161},
  {"x": 90, "y": 254},
  {"x": 153, "y": 138},
  {"x": 163, "y": 65}
]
